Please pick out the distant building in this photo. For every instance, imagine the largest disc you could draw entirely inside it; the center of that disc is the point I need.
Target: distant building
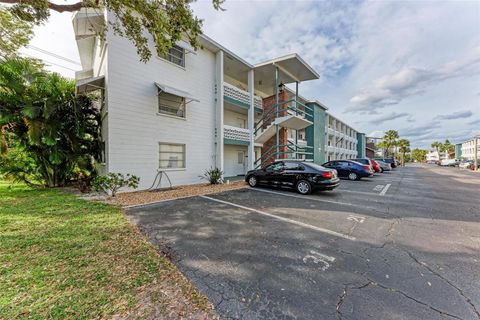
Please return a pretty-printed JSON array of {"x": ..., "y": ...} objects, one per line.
[
  {"x": 434, "y": 155},
  {"x": 467, "y": 149}
]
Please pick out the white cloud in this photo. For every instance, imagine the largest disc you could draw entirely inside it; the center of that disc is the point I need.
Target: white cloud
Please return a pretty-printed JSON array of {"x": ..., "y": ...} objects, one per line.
[
  {"x": 455, "y": 115},
  {"x": 408, "y": 81}
]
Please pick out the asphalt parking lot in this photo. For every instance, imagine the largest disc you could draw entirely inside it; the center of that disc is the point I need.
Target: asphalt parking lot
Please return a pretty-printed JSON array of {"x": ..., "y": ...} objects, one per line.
[{"x": 400, "y": 245}]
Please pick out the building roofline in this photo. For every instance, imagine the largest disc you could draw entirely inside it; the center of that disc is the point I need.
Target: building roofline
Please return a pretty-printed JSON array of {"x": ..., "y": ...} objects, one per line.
[
  {"x": 220, "y": 47},
  {"x": 286, "y": 57}
]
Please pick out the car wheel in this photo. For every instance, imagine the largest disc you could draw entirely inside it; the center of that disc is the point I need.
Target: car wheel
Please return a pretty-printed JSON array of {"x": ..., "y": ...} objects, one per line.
[
  {"x": 303, "y": 187},
  {"x": 252, "y": 181},
  {"x": 352, "y": 176}
]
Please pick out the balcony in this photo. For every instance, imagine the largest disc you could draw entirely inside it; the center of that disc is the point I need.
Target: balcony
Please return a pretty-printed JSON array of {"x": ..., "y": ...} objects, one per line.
[
  {"x": 235, "y": 135},
  {"x": 239, "y": 96}
]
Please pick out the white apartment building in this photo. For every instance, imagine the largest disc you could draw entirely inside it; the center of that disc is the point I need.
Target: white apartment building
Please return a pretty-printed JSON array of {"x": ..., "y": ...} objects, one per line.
[
  {"x": 468, "y": 149},
  {"x": 190, "y": 110},
  {"x": 341, "y": 139},
  {"x": 434, "y": 155}
]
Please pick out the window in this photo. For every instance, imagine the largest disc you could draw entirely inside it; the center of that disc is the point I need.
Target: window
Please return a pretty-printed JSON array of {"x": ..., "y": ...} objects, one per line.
[
  {"x": 176, "y": 55},
  {"x": 240, "y": 157},
  {"x": 275, "y": 166},
  {"x": 171, "y": 104},
  {"x": 171, "y": 156},
  {"x": 293, "y": 166}
]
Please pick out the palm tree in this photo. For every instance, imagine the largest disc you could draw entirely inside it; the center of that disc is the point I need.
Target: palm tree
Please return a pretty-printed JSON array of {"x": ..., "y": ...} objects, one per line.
[
  {"x": 437, "y": 145},
  {"x": 389, "y": 140},
  {"x": 448, "y": 148},
  {"x": 404, "y": 146},
  {"x": 41, "y": 113}
]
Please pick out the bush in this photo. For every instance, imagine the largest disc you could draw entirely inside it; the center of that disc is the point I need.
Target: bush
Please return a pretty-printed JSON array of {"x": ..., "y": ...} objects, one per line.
[
  {"x": 213, "y": 175},
  {"x": 112, "y": 182}
]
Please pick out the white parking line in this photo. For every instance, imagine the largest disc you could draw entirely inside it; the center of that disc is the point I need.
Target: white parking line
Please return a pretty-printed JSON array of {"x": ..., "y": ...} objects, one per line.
[
  {"x": 322, "y": 200},
  {"x": 385, "y": 189},
  {"x": 303, "y": 197},
  {"x": 305, "y": 225}
]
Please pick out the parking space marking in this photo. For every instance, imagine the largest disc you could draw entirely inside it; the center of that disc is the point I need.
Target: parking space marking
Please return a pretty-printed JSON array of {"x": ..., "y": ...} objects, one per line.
[
  {"x": 318, "y": 257},
  {"x": 303, "y": 197},
  {"x": 378, "y": 187},
  {"x": 305, "y": 225},
  {"x": 317, "y": 199},
  {"x": 385, "y": 189},
  {"x": 358, "y": 219}
]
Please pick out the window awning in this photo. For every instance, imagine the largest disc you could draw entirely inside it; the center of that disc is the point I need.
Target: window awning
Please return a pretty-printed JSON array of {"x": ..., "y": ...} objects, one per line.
[
  {"x": 90, "y": 84},
  {"x": 186, "y": 46},
  {"x": 176, "y": 92}
]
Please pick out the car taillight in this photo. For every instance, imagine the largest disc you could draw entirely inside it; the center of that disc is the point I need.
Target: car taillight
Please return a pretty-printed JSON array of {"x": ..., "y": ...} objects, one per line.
[
  {"x": 327, "y": 175},
  {"x": 366, "y": 168}
]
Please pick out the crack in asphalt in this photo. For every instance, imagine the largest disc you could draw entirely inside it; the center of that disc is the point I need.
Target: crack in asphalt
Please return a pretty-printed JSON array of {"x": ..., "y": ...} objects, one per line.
[
  {"x": 460, "y": 291},
  {"x": 413, "y": 299}
]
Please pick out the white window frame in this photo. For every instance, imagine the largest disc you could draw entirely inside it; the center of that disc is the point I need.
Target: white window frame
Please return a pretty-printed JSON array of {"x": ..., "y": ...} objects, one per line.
[
  {"x": 182, "y": 106},
  {"x": 167, "y": 168},
  {"x": 173, "y": 58}
]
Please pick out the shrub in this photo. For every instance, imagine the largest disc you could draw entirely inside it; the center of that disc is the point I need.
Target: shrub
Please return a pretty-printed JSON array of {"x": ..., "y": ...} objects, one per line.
[
  {"x": 112, "y": 182},
  {"x": 213, "y": 175}
]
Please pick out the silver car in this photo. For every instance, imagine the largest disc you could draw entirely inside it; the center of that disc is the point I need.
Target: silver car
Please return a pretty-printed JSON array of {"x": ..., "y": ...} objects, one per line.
[{"x": 385, "y": 166}]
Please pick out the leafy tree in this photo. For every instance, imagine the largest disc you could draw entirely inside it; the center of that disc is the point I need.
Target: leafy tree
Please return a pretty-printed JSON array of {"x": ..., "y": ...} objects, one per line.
[
  {"x": 404, "y": 147},
  {"x": 14, "y": 33},
  {"x": 389, "y": 141},
  {"x": 40, "y": 112},
  {"x": 419, "y": 155},
  {"x": 165, "y": 20}
]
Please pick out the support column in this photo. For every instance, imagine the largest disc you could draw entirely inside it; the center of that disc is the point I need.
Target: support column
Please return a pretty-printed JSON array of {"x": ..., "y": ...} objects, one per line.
[
  {"x": 251, "y": 120},
  {"x": 276, "y": 114},
  {"x": 475, "y": 153},
  {"x": 219, "y": 111}
]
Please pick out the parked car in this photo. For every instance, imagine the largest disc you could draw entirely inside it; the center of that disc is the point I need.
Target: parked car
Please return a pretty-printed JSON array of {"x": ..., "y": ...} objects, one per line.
[
  {"x": 466, "y": 164},
  {"x": 365, "y": 161},
  {"x": 350, "y": 169},
  {"x": 304, "y": 177},
  {"x": 391, "y": 161},
  {"x": 385, "y": 166},
  {"x": 376, "y": 166},
  {"x": 448, "y": 163}
]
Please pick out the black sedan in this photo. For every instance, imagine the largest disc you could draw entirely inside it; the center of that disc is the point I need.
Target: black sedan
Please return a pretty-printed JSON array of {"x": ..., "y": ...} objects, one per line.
[{"x": 302, "y": 176}]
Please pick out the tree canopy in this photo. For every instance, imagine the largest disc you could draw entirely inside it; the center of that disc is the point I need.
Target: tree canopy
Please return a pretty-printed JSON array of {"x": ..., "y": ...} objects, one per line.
[
  {"x": 14, "y": 33},
  {"x": 167, "y": 21}
]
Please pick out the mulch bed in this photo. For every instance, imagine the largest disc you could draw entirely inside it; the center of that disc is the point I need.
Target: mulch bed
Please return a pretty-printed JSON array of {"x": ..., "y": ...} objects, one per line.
[{"x": 145, "y": 197}]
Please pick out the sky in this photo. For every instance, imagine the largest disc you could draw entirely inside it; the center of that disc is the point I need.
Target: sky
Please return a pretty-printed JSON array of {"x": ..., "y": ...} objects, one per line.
[{"x": 411, "y": 66}]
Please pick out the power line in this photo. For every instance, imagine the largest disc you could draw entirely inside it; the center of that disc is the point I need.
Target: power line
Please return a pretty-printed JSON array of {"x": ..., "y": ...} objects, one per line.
[
  {"x": 52, "y": 54},
  {"x": 51, "y": 63}
]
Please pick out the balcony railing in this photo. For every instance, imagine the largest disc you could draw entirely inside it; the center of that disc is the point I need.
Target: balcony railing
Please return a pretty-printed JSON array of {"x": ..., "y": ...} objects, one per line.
[
  {"x": 234, "y": 133},
  {"x": 240, "y": 95}
]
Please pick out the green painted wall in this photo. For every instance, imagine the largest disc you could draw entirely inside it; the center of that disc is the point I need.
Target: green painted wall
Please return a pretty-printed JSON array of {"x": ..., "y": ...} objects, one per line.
[
  {"x": 315, "y": 134},
  {"x": 361, "y": 144},
  {"x": 458, "y": 151}
]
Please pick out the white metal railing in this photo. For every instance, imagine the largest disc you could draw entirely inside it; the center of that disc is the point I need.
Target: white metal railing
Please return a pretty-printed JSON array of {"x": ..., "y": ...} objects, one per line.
[
  {"x": 240, "y": 95},
  {"x": 235, "y": 133}
]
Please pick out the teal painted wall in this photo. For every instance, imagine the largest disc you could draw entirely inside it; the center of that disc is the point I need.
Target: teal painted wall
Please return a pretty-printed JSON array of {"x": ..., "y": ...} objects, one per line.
[
  {"x": 361, "y": 144},
  {"x": 458, "y": 151},
  {"x": 315, "y": 134}
]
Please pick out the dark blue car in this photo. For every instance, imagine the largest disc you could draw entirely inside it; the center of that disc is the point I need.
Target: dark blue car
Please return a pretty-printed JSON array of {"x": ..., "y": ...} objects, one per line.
[{"x": 350, "y": 169}]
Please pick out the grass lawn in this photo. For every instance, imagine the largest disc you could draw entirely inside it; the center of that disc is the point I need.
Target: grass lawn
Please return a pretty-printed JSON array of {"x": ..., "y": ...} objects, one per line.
[{"x": 63, "y": 257}]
